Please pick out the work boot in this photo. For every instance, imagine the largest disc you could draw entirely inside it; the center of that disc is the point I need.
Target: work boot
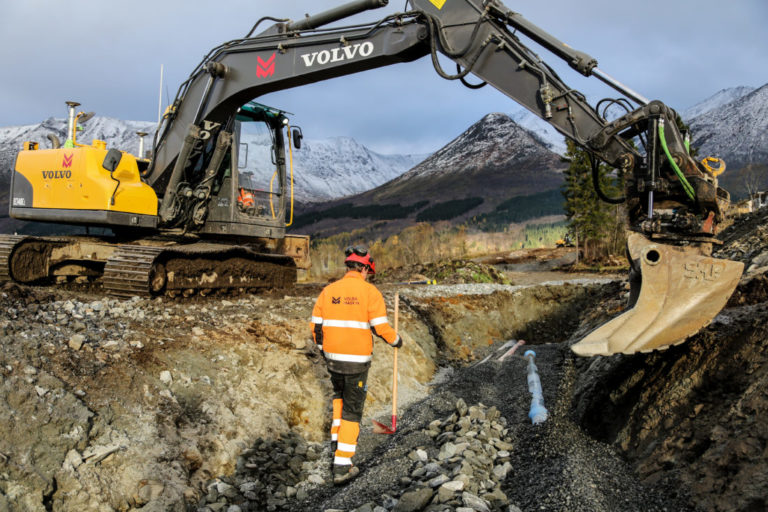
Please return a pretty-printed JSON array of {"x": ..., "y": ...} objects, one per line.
[{"x": 343, "y": 474}]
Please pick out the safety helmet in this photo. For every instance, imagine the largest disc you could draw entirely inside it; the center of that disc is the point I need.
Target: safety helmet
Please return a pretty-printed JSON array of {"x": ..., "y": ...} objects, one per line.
[{"x": 360, "y": 254}]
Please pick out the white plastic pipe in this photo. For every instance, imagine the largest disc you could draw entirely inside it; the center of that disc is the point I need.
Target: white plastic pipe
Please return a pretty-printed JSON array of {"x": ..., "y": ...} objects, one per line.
[{"x": 538, "y": 413}]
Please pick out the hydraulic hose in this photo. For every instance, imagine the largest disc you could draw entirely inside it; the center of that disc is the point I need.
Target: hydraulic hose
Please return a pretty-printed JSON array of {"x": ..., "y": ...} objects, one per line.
[
  {"x": 596, "y": 183},
  {"x": 683, "y": 181}
]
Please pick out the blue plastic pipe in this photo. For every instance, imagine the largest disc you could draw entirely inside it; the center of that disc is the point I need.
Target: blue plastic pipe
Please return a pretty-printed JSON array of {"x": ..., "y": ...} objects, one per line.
[{"x": 538, "y": 413}]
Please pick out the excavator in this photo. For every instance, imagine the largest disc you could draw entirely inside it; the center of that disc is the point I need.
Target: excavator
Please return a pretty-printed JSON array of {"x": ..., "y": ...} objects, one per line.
[{"x": 187, "y": 219}]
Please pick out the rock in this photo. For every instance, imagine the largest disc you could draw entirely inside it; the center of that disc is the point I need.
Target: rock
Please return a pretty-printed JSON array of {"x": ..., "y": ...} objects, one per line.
[
  {"x": 166, "y": 378},
  {"x": 475, "y": 502},
  {"x": 96, "y": 454},
  {"x": 413, "y": 501},
  {"x": 76, "y": 341},
  {"x": 197, "y": 331},
  {"x": 438, "y": 481},
  {"x": 461, "y": 407},
  {"x": 447, "y": 451},
  {"x": 454, "y": 485},
  {"x": 316, "y": 479},
  {"x": 72, "y": 460},
  {"x": 496, "y": 498},
  {"x": 148, "y": 491},
  {"x": 501, "y": 471}
]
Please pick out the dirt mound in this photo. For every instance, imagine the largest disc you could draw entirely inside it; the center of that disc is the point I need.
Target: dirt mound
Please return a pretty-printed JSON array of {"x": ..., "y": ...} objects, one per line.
[{"x": 445, "y": 272}]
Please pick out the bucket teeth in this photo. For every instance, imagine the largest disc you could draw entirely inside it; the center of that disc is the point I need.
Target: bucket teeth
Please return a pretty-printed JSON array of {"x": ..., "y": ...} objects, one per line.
[{"x": 682, "y": 290}]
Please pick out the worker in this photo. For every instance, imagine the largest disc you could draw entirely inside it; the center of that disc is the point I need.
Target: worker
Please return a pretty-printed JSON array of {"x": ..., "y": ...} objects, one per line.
[
  {"x": 345, "y": 314},
  {"x": 245, "y": 202}
]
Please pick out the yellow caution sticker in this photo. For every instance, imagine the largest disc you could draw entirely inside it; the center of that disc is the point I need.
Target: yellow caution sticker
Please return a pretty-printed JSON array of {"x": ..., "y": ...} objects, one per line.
[{"x": 438, "y": 3}]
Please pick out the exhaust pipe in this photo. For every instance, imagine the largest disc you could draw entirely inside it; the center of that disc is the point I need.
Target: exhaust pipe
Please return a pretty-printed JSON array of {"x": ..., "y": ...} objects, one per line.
[
  {"x": 335, "y": 14},
  {"x": 71, "y": 120},
  {"x": 141, "y": 143}
]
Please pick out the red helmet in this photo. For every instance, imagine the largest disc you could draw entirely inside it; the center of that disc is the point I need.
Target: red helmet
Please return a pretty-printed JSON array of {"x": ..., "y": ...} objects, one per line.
[{"x": 360, "y": 254}]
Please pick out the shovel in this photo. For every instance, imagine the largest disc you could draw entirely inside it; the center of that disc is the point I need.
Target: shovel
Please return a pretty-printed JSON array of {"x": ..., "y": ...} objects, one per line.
[{"x": 380, "y": 428}]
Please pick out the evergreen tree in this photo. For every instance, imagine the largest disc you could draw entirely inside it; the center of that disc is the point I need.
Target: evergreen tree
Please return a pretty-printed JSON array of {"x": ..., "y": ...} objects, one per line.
[{"x": 598, "y": 226}]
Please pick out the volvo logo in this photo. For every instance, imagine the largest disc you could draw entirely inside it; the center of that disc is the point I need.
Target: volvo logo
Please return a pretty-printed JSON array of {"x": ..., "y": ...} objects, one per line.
[
  {"x": 337, "y": 54},
  {"x": 56, "y": 175}
]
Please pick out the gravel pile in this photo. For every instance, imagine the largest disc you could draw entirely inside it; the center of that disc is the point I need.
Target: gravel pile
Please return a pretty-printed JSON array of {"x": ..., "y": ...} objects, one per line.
[
  {"x": 464, "y": 469},
  {"x": 268, "y": 476}
]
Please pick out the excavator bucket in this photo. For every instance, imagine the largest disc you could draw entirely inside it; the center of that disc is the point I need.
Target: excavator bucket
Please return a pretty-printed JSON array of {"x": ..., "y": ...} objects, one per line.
[{"x": 682, "y": 291}]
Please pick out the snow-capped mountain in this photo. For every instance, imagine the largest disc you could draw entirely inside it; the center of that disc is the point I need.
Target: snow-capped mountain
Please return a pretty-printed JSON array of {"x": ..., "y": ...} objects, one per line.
[
  {"x": 736, "y": 131},
  {"x": 495, "y": 158},
  {"x": 340, "y": 166},
  {"x": 551, "y": 138},
  {"x": 117, "y": 133},
  {"x": 323, "y": 169},
  {"x": 717, "y": 100}
]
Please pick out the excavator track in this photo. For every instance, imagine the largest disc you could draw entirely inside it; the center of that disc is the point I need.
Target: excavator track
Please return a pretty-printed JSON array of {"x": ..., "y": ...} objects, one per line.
[
  {"x": 200, "y": 268},
  {"x": 130, "y": 270},
  {"x": 7, "y": 244}
]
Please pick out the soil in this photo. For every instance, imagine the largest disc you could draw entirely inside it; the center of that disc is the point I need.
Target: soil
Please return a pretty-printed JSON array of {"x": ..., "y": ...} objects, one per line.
[{"x": 111, "y": 404}]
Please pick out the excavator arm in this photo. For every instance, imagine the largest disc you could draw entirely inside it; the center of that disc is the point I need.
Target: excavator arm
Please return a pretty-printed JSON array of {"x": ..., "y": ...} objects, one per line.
[{"x": 671, "y": 198}]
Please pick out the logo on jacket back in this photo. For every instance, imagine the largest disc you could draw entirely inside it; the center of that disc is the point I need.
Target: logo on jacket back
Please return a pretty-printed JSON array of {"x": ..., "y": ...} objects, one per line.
[
  {"x": 338, "y": 54},
  {"x": 335, "y": 300},
  {"x": 265, "y": 68}
]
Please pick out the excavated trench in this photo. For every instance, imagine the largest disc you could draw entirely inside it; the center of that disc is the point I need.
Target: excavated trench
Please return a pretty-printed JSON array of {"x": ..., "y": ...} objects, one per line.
[{"x": 211, "y": 403}]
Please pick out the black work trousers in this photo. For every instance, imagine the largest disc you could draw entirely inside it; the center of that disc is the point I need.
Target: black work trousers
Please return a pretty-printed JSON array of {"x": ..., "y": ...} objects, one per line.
[{"x": 352, "y": 390}]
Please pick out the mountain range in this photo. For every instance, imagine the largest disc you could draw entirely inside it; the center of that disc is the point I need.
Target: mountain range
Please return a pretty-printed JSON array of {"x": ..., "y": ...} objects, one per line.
[
  {"x": 492, "y": 161},
  {"x": 499, "y": 157}
]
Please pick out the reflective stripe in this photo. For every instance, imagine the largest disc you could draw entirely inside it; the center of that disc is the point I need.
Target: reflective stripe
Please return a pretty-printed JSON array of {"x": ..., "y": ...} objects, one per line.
[
  {"x": 342, "y": 461},
  {"x": 336, "y": 423},
  {"x": 378, "y": 321},
  {"x": 316, "y": 320},
  {"x": 334, "y": 437},
  {"x": 346, "y": 323},
  {"x": 320, "y": 346},
  {"x": 346, "y": 447},
  {"x": 349, "y": 358}
]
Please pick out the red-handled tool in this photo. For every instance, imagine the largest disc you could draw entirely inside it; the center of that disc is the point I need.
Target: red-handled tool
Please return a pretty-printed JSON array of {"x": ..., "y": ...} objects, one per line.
[{"x": 380, "y": 428}]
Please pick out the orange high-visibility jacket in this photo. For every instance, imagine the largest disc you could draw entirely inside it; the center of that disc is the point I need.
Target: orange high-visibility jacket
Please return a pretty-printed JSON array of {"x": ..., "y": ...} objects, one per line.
[{"x": 344, "y": 315}]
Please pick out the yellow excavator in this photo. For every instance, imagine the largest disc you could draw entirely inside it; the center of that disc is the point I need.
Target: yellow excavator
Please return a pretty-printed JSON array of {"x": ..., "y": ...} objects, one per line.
[{"x": 187, "y": 220}]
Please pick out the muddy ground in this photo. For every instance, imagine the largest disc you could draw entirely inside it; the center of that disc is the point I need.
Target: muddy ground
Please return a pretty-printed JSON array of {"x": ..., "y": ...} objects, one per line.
[{"x": 216, "y": 403}]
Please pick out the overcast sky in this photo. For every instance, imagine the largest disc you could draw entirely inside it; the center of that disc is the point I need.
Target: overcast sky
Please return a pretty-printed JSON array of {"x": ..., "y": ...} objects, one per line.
[{"x": 107, "y": 55}]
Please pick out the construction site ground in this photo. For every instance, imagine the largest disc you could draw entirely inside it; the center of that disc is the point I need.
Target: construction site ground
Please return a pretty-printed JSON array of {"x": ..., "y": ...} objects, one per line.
[{"x": 219, "y": 404}]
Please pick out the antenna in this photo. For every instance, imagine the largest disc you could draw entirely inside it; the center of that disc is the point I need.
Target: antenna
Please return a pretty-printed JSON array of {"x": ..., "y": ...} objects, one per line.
[{"x": 160, "y": 98}]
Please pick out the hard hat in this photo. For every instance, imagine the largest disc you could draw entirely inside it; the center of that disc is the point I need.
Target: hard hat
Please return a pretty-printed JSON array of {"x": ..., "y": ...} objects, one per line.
[{"x": 360, "y": 254}]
